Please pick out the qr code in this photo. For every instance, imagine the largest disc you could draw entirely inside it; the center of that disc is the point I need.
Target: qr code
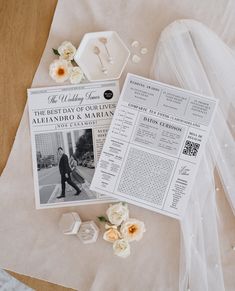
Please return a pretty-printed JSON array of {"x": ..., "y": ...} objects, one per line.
[{"x": 191, "y": 148}]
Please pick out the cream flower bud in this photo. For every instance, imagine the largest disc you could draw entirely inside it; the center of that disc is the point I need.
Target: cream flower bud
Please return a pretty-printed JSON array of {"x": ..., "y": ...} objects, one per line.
[
  {"x": 59, "y": 70},
  {"x": 75, "y": 75},
  {"x": 117, "y": 213},
  {"x": 121, "y": 248},
  {"x": 67, "y": 51},
  {"x": 132, "y": 229}
]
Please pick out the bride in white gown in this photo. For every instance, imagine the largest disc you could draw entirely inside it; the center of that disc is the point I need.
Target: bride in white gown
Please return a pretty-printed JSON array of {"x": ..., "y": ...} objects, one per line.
[{"x": 191, "y": 56}]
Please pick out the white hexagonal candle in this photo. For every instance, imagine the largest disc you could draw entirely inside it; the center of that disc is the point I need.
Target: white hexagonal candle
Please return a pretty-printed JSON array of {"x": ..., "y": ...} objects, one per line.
[
  {"x": 70, "y": 223},
  {"x": 88, "y": 232}
]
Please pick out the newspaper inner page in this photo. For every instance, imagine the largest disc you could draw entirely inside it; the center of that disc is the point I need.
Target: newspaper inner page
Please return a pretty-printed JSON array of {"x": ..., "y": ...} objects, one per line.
[
  {"x": 68, "y": 127},
  {"x": 154, "y": 145}
]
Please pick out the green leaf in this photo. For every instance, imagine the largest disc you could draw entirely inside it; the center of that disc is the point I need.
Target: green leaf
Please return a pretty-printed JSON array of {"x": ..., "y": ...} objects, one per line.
[
  {"x": 103, "y": 219},
  {"x": 56, "y": 52},
  {"x": 74, "y": 63}
]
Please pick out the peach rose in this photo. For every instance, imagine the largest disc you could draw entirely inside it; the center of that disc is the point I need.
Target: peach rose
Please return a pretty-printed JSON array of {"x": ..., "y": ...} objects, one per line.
[{"x": 132, "y": 229}]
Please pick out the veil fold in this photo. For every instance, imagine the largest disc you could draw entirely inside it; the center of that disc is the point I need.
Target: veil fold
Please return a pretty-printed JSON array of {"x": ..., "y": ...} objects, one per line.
[{"x": 191, "y": 56}]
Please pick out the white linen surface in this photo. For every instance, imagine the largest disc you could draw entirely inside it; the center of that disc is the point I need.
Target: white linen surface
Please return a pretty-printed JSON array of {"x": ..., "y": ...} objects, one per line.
[{"x": 31, "y": 242}]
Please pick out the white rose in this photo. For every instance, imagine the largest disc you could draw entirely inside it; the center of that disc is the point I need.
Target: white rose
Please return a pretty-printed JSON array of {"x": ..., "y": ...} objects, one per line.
[
  {"x": 67, "y": 51},
  {"x": 111, "y": 234},
  {"x": 117, "y": 213},
  {"x": 75, "y": 75},
  {"x": 59, "y": 70},
  {"x": 132, "y": 229},
  {"x": 121, "y": 248}
]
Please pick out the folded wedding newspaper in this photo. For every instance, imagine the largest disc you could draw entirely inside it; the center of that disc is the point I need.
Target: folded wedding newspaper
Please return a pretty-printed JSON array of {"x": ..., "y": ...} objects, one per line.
[
  {"x": 68, "y": 127},
  {"x": 154, "y": 145}
]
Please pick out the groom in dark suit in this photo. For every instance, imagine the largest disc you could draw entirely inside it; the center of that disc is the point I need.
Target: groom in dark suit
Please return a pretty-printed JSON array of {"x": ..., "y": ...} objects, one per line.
[{"x": 65, "y": 171}]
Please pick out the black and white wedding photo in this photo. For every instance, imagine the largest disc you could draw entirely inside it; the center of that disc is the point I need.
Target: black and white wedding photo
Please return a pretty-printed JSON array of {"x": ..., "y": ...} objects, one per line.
[{"x": 65, "y": 166}]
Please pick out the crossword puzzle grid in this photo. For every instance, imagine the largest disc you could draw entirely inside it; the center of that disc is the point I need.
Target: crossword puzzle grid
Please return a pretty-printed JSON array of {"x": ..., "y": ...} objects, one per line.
[{"x": 145, "y": 176}]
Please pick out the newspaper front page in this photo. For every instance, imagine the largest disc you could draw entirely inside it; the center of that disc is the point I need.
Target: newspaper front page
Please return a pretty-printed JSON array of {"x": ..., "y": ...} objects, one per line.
[
  {"x": 154, "y": 145},
  {"x": 68, "y": 127}
]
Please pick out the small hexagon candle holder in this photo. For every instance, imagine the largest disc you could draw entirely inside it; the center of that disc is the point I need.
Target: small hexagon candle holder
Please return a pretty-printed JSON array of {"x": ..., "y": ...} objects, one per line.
[
  {"x": 88, "y": 232},
  {"x": 70, "y": 223}
]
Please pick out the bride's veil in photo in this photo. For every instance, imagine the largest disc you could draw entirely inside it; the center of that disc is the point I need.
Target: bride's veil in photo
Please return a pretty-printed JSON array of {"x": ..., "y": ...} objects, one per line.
[{"x": 191, "y": 56}]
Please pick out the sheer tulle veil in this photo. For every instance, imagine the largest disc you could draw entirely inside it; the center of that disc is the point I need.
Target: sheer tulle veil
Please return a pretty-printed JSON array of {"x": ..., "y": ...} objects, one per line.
[{"x": 191, "y": 56}]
